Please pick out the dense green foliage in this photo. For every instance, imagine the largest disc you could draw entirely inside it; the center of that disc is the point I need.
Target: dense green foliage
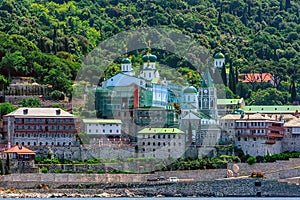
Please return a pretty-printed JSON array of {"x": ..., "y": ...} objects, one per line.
[
  {"x": 47, "y": 39},
  {"x": 6, "y": 108},
  {"x": 30, "y": 102}
]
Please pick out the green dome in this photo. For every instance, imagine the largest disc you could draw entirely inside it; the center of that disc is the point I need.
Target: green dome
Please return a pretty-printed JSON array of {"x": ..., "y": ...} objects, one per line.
[
  {"x": 219, "y": 55},
  {"x": 149, "y": 58},
  {"x": 125, "y": 61},
  {"x": 190, "y": 89}
]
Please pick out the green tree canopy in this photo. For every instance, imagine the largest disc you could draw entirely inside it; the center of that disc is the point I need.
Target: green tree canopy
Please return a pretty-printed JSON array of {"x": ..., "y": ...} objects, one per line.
[{"x": 30, "y": 102}]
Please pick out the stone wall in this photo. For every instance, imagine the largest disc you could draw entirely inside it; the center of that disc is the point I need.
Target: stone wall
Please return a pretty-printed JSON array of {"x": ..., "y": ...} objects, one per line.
[
  {"x": 197, "y": 175},
  {"x": 82, "y": 153},
  {"x": 268, "y": 168},
  {"x": 216, "y": 188}
]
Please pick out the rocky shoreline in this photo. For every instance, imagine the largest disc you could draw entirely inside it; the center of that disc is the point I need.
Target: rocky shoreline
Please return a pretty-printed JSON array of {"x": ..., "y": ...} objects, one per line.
[{"x": 219, "y": 188}]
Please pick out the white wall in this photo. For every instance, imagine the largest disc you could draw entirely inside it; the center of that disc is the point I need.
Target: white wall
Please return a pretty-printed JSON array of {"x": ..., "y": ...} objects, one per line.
[{"x": 102, "y": 129}]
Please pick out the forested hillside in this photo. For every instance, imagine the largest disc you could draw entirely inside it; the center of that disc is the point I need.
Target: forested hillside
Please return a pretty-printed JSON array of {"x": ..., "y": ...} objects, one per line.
[{"x": 48, "y": 39}]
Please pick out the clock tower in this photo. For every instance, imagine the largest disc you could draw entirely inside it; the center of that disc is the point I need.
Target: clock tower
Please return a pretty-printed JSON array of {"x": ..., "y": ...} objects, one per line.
[{"x": 208, "y": 96}]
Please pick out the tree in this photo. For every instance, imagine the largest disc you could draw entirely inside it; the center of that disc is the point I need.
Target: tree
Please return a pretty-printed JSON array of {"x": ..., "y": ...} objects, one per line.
[
  {"x": 232, "y": 84},
  {"x": 287, "y": 4},
  {"x": 7, "y": 165},
  {"x": 30, "y": 102},
  {"x": 224, "y": 75},
  {"x": 13, "y": 62},
  {"x": 6, "y": 108},
  {"x": 57, "y": 95},
  {"x": 269, "y": 96},
  {"x": 190, "y": 135}
]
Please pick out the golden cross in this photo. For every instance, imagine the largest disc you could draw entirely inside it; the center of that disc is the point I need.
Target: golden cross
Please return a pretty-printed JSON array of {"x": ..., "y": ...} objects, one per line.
[{"x": 149, "y": 43}]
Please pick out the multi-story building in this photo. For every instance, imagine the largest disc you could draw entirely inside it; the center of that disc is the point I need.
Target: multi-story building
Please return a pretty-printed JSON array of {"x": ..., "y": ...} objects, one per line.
[
  {"x": 277, "y": 109},
  {"x": 99, "y": 127},
  {"x": 105, "y": 132},
  {"x": 259, "y": 135},
  {"x": 161, "y": 143},
  {"x": 227, "y": 125},
  {"x": 40, "y": 126},
  {"x": 229, "y": 106},
  {"x": 291, "y": 140}
]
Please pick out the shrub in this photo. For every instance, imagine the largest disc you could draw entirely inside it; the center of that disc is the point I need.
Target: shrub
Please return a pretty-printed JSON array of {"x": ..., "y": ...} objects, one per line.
[
  {"x": 251, "y": 160},
  {"x": 257, "y": 174},
  {"x": 100, "y": 171},
  {"x": 44, "y": 170},
  {"x": 89, "y": 171}
]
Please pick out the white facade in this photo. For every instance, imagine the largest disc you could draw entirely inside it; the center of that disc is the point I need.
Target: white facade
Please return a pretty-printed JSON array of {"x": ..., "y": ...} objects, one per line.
[
  {"x": 149, "y": 74},
  {"x": 218, "y": 63},
  {"x": 102, "y": 126}
]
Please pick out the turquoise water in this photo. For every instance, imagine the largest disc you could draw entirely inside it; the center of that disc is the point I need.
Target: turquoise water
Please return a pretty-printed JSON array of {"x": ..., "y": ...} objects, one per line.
[{"x": 169, "y": 198}]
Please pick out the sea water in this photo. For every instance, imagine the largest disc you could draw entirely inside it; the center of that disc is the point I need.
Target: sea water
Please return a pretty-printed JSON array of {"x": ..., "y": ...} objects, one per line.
[{"x": 172, "y": 198}]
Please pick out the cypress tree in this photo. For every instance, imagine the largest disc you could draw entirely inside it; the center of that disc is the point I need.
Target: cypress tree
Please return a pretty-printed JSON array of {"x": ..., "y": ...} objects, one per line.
[
  {"x": 223, "y": 74},
  {"x": 220, "y": 17},
  {"x": 293, "y": 91},
  {"x": 281, "y": 4},
  {"x": 287, "y": 4},
  {"x": 236, "y": 75},
  {"x": 190, "y": 135},
  {"x": 7, "y": 165},
  {"x": 232, "y": 85}
]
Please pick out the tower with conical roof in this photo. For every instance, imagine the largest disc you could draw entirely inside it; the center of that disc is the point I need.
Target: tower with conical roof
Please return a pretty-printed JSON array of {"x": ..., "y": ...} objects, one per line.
[{"x": 208, "y": 96}]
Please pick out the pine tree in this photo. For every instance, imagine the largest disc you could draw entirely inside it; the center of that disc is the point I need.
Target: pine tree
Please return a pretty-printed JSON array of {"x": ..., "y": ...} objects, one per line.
[{"x": 223, "y": 75}]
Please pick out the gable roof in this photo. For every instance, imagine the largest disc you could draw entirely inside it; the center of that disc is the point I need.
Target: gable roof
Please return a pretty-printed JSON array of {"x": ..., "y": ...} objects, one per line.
[
  {"x": 228, "y": 101},
  {"x": 292, "y": 123},
  {"x": 271, "y": 109},
  {"x": 122, "y": 79},
  {"x": 255, "y": 77},
  {"x": 102, "y": 121},
  {"x": 40, "y": 112},
  {"x": 20, "y": 150},
  {"x": 160, "y": 131}
]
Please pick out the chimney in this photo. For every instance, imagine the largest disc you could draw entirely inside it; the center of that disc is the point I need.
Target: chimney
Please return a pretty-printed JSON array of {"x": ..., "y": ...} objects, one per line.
[
  {"x": 25, "y": 111},
  {"x": 58, "y": 112}
]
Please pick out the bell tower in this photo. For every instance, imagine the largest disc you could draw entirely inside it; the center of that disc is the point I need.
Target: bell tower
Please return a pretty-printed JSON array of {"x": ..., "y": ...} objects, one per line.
[{"x": 208, "y": 96}]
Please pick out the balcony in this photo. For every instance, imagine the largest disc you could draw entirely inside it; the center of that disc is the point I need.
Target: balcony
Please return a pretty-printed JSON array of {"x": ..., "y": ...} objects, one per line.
[
  {"x": 276, "y": 135},
  {"x": 271, "y": 141}
]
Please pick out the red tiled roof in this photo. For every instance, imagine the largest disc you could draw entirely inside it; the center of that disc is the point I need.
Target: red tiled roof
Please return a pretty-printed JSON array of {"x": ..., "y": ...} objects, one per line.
[
  {"x": 255, "y": 77},
  {"x": 19, "y": 150}
]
